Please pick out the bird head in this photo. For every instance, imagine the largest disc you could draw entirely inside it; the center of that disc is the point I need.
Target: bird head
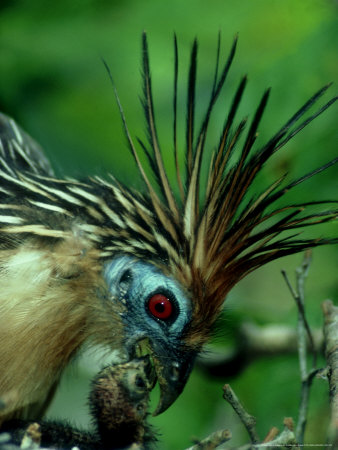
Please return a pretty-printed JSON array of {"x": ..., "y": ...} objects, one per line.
[
  {"x": 179, "y": 256},
  {"x": 156, "y": 312}
]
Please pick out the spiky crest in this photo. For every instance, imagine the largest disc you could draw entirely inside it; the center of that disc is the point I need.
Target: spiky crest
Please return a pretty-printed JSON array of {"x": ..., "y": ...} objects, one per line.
[
  {"x": 220, "y": 244},
  {"x": 208, "y": 244}
]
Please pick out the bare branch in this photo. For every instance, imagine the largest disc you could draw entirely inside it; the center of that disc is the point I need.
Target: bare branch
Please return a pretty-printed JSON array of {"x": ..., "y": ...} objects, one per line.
[
  {"x": 331, "y": 353},
  {"x": 303, "y": 331},
  {"x": 273, "y": 432},
  {"x": 301, "y": 275},
  {"x": 32, "y": 437},
  {"x": 213, "y": 441},
  {"x": 286, "y": 438},
  {"x": 299, "y": 297},
  {"x": 248, "y": 421}
]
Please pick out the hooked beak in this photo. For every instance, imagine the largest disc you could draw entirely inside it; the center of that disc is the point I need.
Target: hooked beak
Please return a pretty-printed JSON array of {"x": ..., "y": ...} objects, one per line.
[
  {"x": 172, "y": 368},
  {"x": 172, "y": 375}
]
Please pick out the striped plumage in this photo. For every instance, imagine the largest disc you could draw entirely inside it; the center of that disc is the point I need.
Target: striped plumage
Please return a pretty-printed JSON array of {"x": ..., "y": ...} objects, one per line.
[{"x": 63, "y": 242}]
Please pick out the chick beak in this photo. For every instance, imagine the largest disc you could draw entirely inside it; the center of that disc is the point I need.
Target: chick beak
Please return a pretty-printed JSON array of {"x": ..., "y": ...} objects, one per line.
[{"x": 172, "y": 375}]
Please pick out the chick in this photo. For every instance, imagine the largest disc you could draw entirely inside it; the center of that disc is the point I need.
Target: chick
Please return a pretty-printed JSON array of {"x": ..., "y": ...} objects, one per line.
[{"x": 118, "y": 401}]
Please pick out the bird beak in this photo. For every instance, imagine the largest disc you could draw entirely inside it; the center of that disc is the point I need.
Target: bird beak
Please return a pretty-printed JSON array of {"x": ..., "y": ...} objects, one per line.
[
  {"x": 172, "y": 368},
  {"x": 172, "y": 375}
]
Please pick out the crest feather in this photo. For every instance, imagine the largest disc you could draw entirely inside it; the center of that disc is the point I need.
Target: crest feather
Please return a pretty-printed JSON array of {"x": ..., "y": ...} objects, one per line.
[{"x": 220, "y": 238}]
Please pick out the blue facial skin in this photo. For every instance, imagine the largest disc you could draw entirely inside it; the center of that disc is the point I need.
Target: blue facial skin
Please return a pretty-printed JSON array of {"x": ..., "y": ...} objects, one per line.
[{"x": 133, "y": 283}]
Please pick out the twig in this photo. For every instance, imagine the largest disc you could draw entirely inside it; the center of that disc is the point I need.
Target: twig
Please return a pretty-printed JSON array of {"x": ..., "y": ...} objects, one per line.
[
  {"x": 299, "y": 297},
  {"x": 331, "y": 353},
  {"x": 248, "y": 421},
  {"x": 301, "y": 275},
  {"x": 213, "y": 441},
  {"x": 286, "y": 438},
  {"x": 32, "y": 437},
  {"x": 273, "y": 432},
  {"x": 303, "y": 331}
]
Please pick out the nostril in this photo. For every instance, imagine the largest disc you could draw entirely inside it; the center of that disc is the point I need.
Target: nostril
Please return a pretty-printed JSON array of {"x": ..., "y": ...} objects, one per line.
[{"x": 175, "y": 373}]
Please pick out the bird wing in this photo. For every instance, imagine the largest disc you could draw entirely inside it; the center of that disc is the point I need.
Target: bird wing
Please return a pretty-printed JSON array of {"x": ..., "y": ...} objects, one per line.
[{"x": 18, "y": 151}]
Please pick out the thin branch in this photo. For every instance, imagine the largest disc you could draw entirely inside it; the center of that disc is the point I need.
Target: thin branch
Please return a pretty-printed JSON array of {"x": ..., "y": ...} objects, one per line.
[
  {"x": 303, "y": 331},
  {"x": 32, "y": 437},
  {"x": 27, "y": 443},
  {"x": 248, "y": 421},
  {"x": 331, "y": 353},
  {"x": 286, "y": 438},
  {"x": 272, "y": 434},
  {"x": 301, "y": 274},
  {"x": 213, "y": 441}
]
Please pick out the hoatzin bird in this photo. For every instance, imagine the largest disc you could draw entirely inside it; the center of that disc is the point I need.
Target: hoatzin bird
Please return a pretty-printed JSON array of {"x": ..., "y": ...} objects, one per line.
[{"x": 95, "y": 261}]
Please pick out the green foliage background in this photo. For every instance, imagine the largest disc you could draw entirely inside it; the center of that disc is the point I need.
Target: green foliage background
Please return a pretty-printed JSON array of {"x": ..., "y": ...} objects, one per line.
[{"x": 54, "y": 84}]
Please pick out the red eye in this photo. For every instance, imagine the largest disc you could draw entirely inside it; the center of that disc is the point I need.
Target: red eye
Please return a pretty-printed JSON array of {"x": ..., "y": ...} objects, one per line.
[{"x": 160, "y": 306}]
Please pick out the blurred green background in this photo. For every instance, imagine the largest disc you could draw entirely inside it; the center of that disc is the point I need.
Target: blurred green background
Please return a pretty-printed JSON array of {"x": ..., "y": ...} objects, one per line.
[{"x": 54, "y": 84}]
